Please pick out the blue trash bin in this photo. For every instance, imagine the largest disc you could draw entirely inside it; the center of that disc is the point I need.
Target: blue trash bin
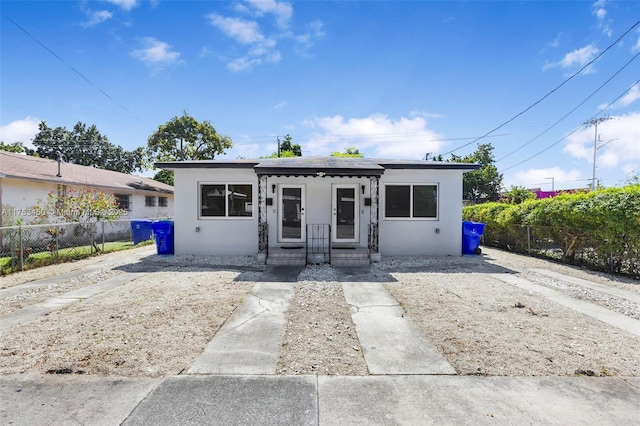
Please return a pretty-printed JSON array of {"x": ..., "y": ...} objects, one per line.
[
  {"x": 163, "y": 230},
  {"x": 471, "y": 233},
  {"x": 141, "y": 230}
]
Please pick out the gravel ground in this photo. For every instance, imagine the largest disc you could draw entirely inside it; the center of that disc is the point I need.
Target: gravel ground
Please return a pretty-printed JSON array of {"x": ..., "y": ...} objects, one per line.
[{"x": 159, "y": 323}]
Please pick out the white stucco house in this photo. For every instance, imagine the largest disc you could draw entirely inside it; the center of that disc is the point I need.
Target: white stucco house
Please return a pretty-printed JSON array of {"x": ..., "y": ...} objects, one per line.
[
  {"x": 25, "y": 179},
  {"x": 346, "y": 211}
]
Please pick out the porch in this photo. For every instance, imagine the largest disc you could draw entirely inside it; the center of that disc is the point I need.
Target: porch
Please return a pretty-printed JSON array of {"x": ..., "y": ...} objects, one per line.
[{"x": 317, "y": 249}]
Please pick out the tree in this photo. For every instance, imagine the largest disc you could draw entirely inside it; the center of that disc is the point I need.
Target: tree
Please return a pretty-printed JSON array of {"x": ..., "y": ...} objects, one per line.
[
  {"x": 286, "y": 149},
  {"x": 517, "y": 195},
  {"x": 483, "y": 184},
  {"x": 17, "y": 147},
  {"x": 185, "y": 138},
  {"x": 431, "y": 157},
  {"x": 86, "y": 146},
  {"x": 349, "y": 152},
  {"x": 86, "y": 207},
  {"x": 164, "y": 176}
]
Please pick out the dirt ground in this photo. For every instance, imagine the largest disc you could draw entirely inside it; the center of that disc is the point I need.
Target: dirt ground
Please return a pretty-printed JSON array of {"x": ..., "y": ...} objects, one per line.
[{"x": 160, "y": 322}]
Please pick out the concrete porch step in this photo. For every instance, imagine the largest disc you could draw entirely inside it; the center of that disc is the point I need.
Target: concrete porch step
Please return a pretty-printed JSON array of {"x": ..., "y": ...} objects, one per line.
[
  {"x": 283, "y": 256},
  {"x": 358, "y": 256}
]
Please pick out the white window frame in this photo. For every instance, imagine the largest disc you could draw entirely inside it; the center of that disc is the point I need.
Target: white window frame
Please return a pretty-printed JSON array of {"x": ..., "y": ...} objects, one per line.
[
  {"x": 226, "y": 200},
  {"x": 411, "y": 185}
]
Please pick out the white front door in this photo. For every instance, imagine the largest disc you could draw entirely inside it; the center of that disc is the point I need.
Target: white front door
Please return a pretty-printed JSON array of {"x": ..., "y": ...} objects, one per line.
[
  {"x": 291, "y": 223},
  {"x": 345, "y": 225}
]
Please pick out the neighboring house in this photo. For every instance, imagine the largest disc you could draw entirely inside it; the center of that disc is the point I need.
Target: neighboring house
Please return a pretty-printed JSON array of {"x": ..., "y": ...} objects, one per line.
[
  {"x": 540, "y": 194},
  {"x": 25, "y": 179},
  {"x": 345, "y": 211}
]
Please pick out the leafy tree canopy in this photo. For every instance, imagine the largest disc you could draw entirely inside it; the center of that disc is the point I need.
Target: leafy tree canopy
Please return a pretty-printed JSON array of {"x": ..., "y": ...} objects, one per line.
[
  {"x": 483, "y": 184},
  {"x": 349, "y": 152},
  {"x": 17, "y": 147},
  {"x": 517, "y": 195},
  {"x": 164, "y": 176},
  {"x": 86, "y": 146},
  {"x": 185, "y": 138},
  {"x": 287, "y": 149}
]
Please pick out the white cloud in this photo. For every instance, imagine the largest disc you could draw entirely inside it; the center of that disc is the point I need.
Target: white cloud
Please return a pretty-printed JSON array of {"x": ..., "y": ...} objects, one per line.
[
  {"x": 125, "y": 4},
  {"x": 599, "y": 11},
  {"x": 280, "y": 105},
  {"x": 281, "y": 10},
  {"x": 618, "y": 139},
  {"x": 540, "y": 178},
  {"x": 96, "y": 17},
  {"x": 242, "y": 31},
  {"x": 156, "y": 53},
  {"x": 576, "y": 58},
  {"x": 636, "y": 47},
  {"x": 262, "y": 46},
  {"x": 632, "y": 95},
  {"x": 406, "y": 138},
  {"x": 261, "y": 49},
  {"x": 313, "y": 31},
  {"x": 241, "y": 64},
  {"x": 20, "y": 131}
]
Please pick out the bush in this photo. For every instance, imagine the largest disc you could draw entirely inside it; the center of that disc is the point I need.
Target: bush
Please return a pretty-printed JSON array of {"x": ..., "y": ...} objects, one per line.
[{"x": 600, "y": 229}]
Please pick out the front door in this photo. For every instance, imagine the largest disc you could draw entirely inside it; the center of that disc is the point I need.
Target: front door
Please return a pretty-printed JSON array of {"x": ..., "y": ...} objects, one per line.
[
  {"x": 345, "y": 206},
  {"x": 291, "y": 223}
]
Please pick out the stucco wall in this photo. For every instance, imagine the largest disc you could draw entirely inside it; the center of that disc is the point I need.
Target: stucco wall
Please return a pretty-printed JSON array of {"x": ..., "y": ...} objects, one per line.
[
  {"x": 212, "y": 236},
  {"x": 20, "y": 196},
  {"x": 239, "y": 236},
  {"x": 442, "y": 236}
]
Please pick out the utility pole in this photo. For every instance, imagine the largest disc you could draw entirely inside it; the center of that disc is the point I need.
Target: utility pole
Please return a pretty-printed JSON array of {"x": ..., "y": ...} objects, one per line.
[
  {"x": 553, "y": 181},
  {"x": 278, "y": 137},
  {"x": 595, "y": 122}
]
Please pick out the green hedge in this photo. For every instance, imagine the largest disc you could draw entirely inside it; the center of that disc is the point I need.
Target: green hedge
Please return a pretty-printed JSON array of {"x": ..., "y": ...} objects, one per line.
[{"x": 599, "y": 229}]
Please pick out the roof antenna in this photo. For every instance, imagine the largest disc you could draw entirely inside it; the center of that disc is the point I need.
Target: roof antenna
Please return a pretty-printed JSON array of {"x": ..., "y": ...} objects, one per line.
[{"x": 60, "y": 156}]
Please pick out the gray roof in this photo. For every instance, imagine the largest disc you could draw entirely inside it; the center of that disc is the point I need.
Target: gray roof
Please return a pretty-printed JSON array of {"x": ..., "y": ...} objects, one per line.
[
  {"x": 25, "y": 167},
  {"x": 319, "y": 166}
]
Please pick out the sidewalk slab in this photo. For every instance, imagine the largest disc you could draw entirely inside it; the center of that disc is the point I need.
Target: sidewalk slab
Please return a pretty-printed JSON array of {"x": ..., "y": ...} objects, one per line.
[
  {"x": 58, "y": 302},
  {"x": 249, "y": 342},
  {"x": 464, "y": 400},
  {"x": 230, "y": 400},
  {"x": 623, "y": 322},
  {"x": 391, "y": 343},
  {"x": 613, "y": 291},
  {"x": 70, "y": 399}
]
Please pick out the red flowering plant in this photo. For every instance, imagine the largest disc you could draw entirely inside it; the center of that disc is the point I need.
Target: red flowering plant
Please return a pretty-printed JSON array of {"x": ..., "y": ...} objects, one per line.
[{"x": 86, "y": 207}]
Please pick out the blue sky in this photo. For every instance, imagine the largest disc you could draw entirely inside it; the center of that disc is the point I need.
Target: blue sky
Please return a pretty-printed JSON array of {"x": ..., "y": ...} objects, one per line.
[{"x": 393, "y": 79}]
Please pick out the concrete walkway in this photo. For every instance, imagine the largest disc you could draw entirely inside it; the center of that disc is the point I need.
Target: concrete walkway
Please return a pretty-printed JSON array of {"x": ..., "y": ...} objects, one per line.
[
  {"x": 391, "y": 343},
  {"x": 234, "y": 381},
  {"x": 249, "y": 341},
  {"x": 59, "y": 302},
  {"x": 598, "y": 312}
]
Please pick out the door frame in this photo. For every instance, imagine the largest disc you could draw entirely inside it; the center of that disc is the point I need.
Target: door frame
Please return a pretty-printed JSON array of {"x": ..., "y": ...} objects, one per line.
[
  {"x": 303, "y": 222},
  {"x": 334, "y": 213}
]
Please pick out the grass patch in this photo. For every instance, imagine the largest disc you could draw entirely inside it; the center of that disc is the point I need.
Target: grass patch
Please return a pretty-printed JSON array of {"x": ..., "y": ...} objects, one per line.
[{"x": 44, "y": 258}]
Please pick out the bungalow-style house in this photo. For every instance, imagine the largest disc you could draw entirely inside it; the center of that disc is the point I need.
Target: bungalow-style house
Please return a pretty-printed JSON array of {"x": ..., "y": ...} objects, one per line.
[
  {"x": 346, "y": 211},
  {"x": 25, "y": 179}
]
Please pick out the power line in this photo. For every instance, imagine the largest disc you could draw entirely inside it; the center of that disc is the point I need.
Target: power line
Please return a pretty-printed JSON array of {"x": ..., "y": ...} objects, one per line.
[
  {"x": 72, "y": 68},
  {"x": 573, "y": 131},
  {"x": 573, "y": 110},
  {"x": 549, "y": 93}
]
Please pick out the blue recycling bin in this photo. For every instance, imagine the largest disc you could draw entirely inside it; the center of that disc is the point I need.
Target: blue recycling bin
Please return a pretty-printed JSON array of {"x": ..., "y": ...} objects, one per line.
[
  {"x": 471, "y": 233},
  {"x": 141, "y": 230},
  {"x": 163, "y": 230}
]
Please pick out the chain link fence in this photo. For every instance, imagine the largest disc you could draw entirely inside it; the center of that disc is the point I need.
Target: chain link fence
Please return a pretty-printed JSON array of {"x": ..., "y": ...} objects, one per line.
[
  {"x": 27, "y": 246},
  {"x": 571, "y": 245}
]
